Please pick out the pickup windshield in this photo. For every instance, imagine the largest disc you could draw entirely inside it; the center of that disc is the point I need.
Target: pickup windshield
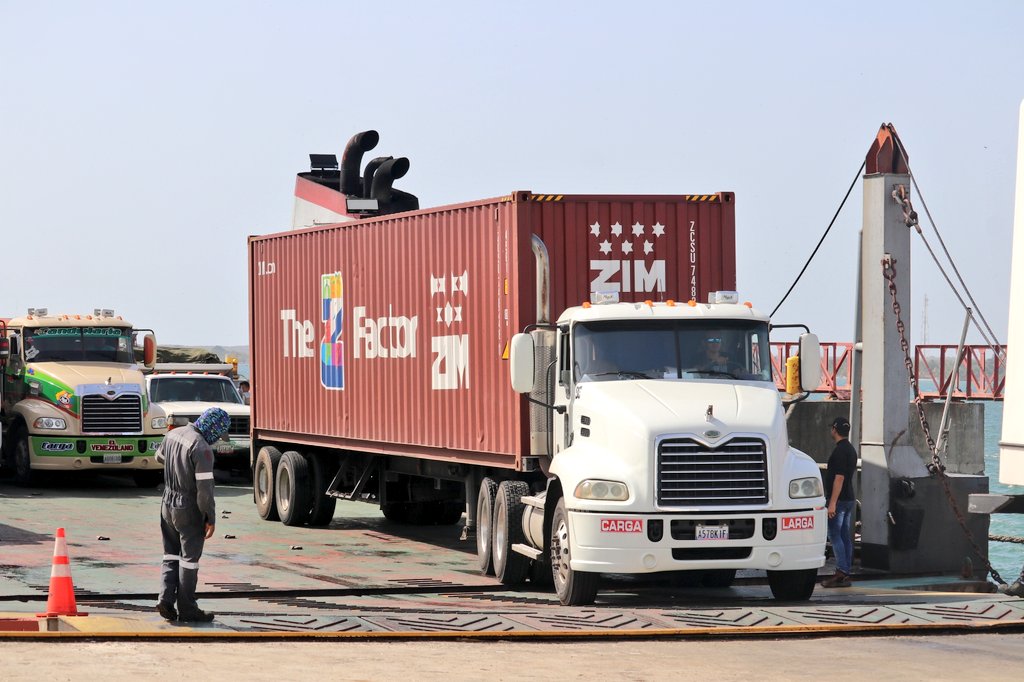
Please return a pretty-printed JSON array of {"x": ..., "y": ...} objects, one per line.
[
  {"x": 192, "y": 389},
  {"x": 78, "y": 344},
  {"x": 671, "y": 349}
]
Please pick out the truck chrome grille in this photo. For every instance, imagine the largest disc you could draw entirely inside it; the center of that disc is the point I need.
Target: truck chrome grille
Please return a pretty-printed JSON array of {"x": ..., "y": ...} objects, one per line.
[
  {"x": 239, "y": 427},
  {"x": 121, "y": 415},
  {"x": 692, "y": 474}
]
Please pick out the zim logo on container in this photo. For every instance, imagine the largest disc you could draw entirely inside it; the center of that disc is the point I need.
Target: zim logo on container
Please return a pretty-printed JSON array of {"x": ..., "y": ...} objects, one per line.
[
  {"x": 797, "y": 522},
  {"x": 622, "y": 525}
]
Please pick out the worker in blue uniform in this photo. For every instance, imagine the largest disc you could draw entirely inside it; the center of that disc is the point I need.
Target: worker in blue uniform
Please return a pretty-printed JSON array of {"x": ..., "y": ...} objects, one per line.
[{"x": 188, "y": 512}]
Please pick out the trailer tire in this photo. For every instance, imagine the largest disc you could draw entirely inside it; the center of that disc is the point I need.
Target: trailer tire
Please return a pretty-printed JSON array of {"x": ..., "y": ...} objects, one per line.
[
  {"x": 292, "y": 493},
  {"x": 485, "y": 525},
  {"x": 510, "y": 567},
  {"x": 574, "y": 588},
  {"x": 398, "y": 512},
  {"x": 263, "y": 480},
  {"x": 322, "y": 508},
  {"x": 444, "y": 512},
  {"x": 793, "y": 585},
  {"x": 23, "y": 474}
]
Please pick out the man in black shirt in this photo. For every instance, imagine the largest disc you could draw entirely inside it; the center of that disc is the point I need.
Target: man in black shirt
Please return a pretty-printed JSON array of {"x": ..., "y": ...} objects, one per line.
[{"x": 842, "y": 465}]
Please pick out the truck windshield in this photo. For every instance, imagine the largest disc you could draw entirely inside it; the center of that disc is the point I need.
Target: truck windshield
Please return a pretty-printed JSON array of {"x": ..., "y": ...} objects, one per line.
[
  {"x": 78, "y": 344},
  {"x": 671, "y": 349},
  {"x": 192, "y": 389}
]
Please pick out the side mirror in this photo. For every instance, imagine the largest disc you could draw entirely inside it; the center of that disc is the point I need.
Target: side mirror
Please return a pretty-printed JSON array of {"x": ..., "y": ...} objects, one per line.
[
  {"x": 15, "y": 349},
  {"x": 149, "y": 351},
  {"x": 810, "y": 362},
  {"x": 521, "y": 363}
]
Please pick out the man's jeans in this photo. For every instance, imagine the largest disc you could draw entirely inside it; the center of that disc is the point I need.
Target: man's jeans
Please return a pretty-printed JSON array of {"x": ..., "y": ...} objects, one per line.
[{"x": 839, "y": 534}]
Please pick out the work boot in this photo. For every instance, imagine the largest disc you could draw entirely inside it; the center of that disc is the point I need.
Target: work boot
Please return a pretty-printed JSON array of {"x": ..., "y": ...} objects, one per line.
[
  {"x": 198, "y": 616},
  {"x": 840, "y": 579},
  {"x": 167, "y": 611}
]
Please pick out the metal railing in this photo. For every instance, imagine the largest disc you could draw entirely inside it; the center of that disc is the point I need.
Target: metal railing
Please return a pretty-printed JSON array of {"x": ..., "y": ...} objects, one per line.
[{"x": 981, "y": 374}]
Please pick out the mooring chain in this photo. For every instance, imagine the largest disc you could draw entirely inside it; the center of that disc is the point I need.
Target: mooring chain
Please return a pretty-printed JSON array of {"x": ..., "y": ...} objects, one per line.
[
  {"x": 936, "y": 468},
  {"x": 902, "y": 197}
]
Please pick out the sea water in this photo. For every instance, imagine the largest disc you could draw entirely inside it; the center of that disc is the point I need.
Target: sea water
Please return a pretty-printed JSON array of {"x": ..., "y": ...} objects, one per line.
[{"x": 1005, "y": 557}]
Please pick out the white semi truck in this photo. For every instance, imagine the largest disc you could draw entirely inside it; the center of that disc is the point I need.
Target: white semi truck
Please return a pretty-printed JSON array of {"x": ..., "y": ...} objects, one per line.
[{"x": 671, "y": 454}]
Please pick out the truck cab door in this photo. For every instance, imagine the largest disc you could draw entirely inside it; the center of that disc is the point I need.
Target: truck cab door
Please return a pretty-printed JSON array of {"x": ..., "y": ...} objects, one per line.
[{"x": 561, "y": 427}]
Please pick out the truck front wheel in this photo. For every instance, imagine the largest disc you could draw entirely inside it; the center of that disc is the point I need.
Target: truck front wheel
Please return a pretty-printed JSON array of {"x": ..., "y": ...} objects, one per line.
[
  {"x": 23, "y": 474},
  {"x": 574, "y": 588},
  {"x": 510, "y": 567},
  {"x": 793, "y": 585},
  {"x": 263, "y": 476}
]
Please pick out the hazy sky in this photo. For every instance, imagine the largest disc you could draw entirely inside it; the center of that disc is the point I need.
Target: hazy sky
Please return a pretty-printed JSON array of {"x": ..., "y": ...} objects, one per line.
[{"x": 141, "y": 142}]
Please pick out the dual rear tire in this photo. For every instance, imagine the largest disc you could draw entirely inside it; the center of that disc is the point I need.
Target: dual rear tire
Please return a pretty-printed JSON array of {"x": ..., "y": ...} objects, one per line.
[{"x": 291, "y": 487}]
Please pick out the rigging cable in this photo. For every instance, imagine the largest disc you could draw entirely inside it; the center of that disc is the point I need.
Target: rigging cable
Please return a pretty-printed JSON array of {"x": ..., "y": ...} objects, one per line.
[
  {"x": 813, "y": 253},
  {"x": 994, "y": 339}
]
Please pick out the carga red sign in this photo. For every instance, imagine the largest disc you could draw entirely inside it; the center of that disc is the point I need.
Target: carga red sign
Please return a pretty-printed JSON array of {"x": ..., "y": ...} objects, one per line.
[
  {"x": 622, "y": 525},
  {"x": 797, "y": 522}
]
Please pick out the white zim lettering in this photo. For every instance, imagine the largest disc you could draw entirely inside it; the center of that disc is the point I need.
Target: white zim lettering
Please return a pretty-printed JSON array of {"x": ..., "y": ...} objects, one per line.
[
  {"x": 450, "y": 369},
  {"x": 637, "y": 278},
  {"x": 390, "y": 336}
]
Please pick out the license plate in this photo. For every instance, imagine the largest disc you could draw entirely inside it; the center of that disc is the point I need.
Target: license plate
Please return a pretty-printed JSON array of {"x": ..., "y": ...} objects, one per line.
[
  {"x": 224, "y": 448},
  {"x": 720, "y": 532},
  {"x": 111, "y": 459}
]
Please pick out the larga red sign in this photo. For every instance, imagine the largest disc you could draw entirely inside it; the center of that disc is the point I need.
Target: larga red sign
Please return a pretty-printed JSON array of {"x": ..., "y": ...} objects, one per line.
[
  {"x": 622, "y": 525},
  {"x": 797, "y": 522}
]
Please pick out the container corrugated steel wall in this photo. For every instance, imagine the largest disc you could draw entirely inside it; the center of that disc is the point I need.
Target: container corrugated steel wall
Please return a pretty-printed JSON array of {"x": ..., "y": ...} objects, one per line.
[{"x": 389, "y": 335}]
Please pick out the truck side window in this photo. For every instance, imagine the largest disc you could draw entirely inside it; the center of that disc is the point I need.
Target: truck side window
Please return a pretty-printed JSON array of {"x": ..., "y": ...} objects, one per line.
[{"x": 564, "y": 361}]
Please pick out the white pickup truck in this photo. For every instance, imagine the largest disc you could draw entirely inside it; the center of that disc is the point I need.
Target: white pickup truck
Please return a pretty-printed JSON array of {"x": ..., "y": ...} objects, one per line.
[{"x": 185, "y": 395}]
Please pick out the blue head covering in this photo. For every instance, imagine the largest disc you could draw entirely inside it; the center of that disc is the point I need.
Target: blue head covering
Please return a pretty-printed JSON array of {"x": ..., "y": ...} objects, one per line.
[{"x": 213, "y": 423}]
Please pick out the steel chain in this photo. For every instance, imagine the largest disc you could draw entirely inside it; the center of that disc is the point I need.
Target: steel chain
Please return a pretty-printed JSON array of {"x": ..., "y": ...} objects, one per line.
[{"x": 936, "y": 468}]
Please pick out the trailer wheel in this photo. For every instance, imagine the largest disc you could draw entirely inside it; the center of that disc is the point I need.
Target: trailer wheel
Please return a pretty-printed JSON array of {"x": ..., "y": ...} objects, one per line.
[
  {"x": 445, "y": 512},
  {"x": 323, "y": 505},
  {"x": 397, "y": 512},
  {"x": 263, "y": 477},
  {"x": 23, "y": 474},
  {"x": 485, "y": 525},
  {"x": 292, "y": 493},
  {"x": 574, "y": 588},
  {"x": 510, "y": 567},
  {"x": 793, "y": 585}
]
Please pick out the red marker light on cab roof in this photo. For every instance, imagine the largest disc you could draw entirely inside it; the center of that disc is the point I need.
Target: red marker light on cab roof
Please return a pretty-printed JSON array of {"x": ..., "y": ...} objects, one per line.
[
  {"x": 585, "y": 304},
  {"x": 748, "y": 304},
  {"x": 692, "y": 303}
]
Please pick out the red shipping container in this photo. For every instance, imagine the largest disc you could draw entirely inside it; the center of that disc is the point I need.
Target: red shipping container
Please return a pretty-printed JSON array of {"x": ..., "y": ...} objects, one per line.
[{"x": 390, "y": 335}]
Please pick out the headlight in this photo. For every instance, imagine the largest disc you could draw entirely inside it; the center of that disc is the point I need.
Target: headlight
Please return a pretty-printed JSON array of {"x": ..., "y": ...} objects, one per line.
[
  {"x": 55, "y": 423},
  {"x": 805, "y": 487},
  {"x": 592, "y": 489},
  {"x": 159, "y": 422}
]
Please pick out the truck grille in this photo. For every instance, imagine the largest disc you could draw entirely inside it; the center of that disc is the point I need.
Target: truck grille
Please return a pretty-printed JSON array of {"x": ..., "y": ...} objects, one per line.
[
  {"x": 692, "y": 474},
  {"x": 121, "y": 415},
  {"x": 239, "y": 427}
]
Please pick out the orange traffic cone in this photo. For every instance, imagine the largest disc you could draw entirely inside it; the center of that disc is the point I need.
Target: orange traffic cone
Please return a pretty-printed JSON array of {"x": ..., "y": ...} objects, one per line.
[{"x": 62, "y": 591}]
